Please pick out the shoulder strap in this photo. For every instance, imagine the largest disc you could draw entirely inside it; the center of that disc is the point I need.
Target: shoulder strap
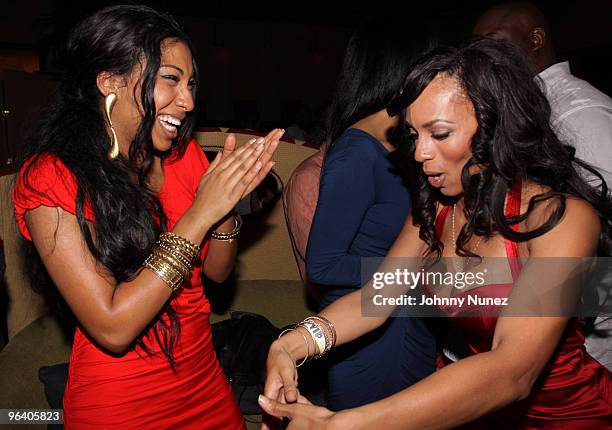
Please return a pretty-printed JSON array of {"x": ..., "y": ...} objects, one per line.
[
  {"x": 513, "y": 208},
  {"x": 439, "y": 225}
]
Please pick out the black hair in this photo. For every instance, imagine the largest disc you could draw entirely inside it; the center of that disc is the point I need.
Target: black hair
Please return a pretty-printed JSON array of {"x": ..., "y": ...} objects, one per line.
[
  {"x": 376, "y": 62},
  {"x": 128, "y": 215},
  {"x": 514, "y": 141}
]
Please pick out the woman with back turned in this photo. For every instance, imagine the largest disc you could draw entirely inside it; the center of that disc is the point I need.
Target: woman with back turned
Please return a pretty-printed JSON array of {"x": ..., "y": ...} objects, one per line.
[{"x": 361, "y": 209}]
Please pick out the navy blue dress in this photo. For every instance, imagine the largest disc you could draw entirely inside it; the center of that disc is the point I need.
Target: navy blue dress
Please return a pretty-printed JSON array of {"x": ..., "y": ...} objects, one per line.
[{"x": 361, "y": 209}]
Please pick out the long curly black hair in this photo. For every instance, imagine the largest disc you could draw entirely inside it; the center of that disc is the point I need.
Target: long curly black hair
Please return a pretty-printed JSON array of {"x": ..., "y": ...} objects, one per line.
[
  {"x": 128, "y": 215},
  {"x": 514, "y": 141}
]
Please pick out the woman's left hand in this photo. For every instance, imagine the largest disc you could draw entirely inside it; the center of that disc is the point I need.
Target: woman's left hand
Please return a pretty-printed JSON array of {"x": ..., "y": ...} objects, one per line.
[{"x": 303, "y": 414}]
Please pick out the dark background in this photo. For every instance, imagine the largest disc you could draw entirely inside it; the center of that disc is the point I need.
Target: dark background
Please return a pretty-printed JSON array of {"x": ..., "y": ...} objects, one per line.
[{"x": 269, "y": 57}]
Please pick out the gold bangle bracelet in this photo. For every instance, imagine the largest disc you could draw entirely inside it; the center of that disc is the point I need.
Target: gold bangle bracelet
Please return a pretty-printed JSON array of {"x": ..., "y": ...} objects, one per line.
[
  {"x": 164, "y": 271},
  {"x": 185, "y": 271},
  {"x": 329, "y": 326},
  {"x": 305, "y": 359},
  {"x": 175, "y": 252},
  {"x": 317, "y": 325},
  {"x": 231, "y": 235},
  {"x": 191, "y": 248},
  {"x": 173, "y": 259},
  {"x": 318, "y": 335}
]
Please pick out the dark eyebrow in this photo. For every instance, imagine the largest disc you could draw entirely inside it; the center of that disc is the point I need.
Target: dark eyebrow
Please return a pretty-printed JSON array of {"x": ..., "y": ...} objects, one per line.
[
  {"x": 494, "y": 34},
  {"x": 433, "y": 121},
  {"x": 174, "y": 67}
]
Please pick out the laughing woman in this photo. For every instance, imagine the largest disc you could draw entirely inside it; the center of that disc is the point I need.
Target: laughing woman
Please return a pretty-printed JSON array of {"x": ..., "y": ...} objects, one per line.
[
  {"x": 126, "y": 213},
  {"x": 490, "y": 179}
]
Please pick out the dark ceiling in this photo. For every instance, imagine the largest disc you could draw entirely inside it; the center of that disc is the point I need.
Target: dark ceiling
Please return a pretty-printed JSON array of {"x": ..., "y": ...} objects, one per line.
[
  {"x": 451, "y": 17},
  {"x": 581, "y": 28}
]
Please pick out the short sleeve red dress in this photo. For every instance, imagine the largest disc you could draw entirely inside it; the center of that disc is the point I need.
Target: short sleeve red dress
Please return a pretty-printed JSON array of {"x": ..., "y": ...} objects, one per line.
[
  {"x": 136, "y": 390},
  {"x": 573, "y": 392}
]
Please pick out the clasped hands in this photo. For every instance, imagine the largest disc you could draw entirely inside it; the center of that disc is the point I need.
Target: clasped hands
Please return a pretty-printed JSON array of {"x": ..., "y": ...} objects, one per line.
[
  {"x": 235, "y": 172},
  {"x": 282, "y": 399}
]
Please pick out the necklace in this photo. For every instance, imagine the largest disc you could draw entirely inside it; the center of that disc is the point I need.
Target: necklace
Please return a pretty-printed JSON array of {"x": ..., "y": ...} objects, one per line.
[{"x": 457, "y": 267}]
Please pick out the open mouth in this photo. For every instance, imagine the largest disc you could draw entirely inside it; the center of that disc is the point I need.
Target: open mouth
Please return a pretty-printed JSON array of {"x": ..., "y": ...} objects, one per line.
[
  {"x": 170, "y": 124},
  {"x": 435, "y": 180}
]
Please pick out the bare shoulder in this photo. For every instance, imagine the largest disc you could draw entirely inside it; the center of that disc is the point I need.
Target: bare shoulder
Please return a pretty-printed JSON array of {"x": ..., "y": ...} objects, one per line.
[
  {"x": 576, "y": 209},
  {"x": 577, "y": 230}
]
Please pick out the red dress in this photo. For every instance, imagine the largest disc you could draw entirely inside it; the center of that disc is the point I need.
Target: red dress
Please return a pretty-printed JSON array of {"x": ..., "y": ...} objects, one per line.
[
  {"x": 573, "y": 391},
  {"x": 136, "y": 390}
]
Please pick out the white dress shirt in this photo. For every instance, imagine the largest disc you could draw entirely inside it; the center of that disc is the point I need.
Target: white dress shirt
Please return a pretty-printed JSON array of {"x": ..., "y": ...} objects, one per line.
[{"x": 581, "y": 116}]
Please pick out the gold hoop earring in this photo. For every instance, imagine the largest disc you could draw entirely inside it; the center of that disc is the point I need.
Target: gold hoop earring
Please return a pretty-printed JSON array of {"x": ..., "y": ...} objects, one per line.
[{"x": 109, "y": 104}]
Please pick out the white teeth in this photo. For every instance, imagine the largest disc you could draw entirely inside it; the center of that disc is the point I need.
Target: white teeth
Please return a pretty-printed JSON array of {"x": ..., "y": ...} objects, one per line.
[
  {"x": 171, "y": 128},
  {"x": 170, "y": 119}
]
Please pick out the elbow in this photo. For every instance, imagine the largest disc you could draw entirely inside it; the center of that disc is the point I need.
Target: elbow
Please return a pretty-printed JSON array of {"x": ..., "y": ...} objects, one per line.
[
  {"x": 217, "y": 276},
  {"x": 523, "y": 387},
  {"x": 315, "y": 276},
  {"x": 117, "y": 349},
  {"x": 114, "y": 339},
  {"x": 114, "y": 342},
  {"x": 216, "y": 272},
  {"x": 516, "y": 375},
  {"x": 517, "y": 385}
]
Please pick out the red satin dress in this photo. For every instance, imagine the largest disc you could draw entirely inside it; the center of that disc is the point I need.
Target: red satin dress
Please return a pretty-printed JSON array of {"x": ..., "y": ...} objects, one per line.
[
  {"x": 136, "y": 390},
  {"x": 573, "y": 391}
]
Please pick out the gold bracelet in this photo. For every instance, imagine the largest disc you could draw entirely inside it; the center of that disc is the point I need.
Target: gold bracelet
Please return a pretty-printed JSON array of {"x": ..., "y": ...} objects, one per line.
[
  {"x": 318, "y": 335},
  {"x": 191, "y": 249},
  {"x": 176, "y": 252},
  {"x": 177, "y": 248},
  {"x": 185, "y": 271},
  {"x": 330, "y": 327},
  {"x": 322, "y": 331},
  {"x": 305, "y": 359},
  {"x": 164, "y": 271},
  {"x": 229, "y": 236}
]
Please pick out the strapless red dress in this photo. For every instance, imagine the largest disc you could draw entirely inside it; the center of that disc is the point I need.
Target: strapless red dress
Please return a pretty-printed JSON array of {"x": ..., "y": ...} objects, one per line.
[
  {"x": 573, "y": 391},
  {"x": 136, "y": 390}
]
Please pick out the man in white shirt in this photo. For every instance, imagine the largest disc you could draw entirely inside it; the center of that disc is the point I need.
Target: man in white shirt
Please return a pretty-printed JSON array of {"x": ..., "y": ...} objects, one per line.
[{"x": 581, "y": 114}]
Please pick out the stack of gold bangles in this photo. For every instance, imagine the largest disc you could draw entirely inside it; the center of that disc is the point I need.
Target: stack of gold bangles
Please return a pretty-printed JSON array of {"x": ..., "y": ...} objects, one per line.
[
  {"x": 322, "y": 332},
  {"x": 172, "y": 259}
]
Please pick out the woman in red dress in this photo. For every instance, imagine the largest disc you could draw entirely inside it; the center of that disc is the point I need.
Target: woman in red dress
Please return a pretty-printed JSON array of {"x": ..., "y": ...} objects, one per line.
[
  {"x": 117, "y": 200},
  {"x": 489, "y": 179}
]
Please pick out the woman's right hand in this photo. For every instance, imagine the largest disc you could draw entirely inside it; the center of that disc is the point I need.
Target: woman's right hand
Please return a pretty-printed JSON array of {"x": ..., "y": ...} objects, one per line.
[
  {"x": 232, "y": 175},
  {"x": 281, "y": 379}
]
